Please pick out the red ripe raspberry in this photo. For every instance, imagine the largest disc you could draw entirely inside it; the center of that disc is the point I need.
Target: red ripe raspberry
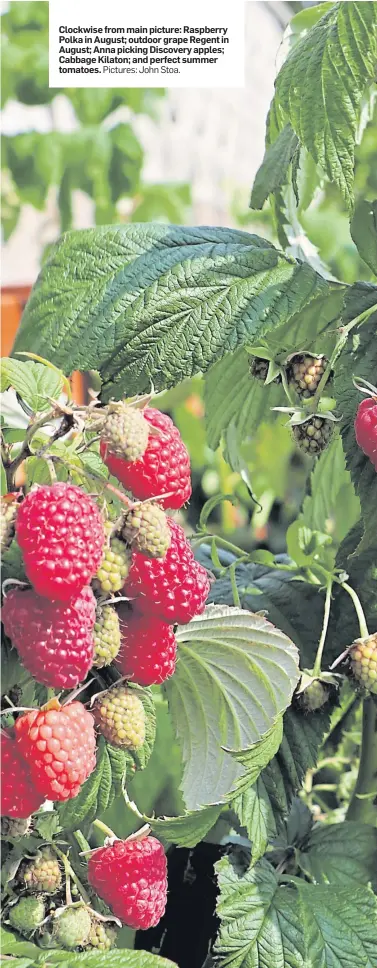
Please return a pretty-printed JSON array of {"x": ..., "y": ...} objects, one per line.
[
  {"x": 366, "y": 428},
  {"x": 55, "y": 641},
  {"x": 148, "y": 647},
  {"x": 174, "y": 588},
  {"x": 19, "y": 798},
  {"x": 130, "y": 876},
  {"x": 61, "y": 534},
  {"x": 164, "y": 467},
  {"x": 59, "y": 745}
]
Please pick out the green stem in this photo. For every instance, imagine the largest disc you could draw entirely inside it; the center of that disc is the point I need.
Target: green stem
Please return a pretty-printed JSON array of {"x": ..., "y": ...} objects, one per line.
[
  {"x": 71, "y": 873},
  {"x": 235, "y": 592},
  {"x": 326, "y": 616},
  {"x": 105, "y": 829},
  {"x": 358, "y": 609},
  {"x": 365, "y": 810},
  {"x": 222, "y": 542}
]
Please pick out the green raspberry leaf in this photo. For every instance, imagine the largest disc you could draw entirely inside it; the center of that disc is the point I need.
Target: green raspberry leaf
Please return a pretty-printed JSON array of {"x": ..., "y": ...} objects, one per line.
[
  {"x": 34, "y": 382},
  {"x": 99, "y": 790},
  {"x": 293, "y": 925},
  {"x": 342, "y": 854},
  {"x": 235, "y": 676},
  {"x": 321, "y": 84},
  {"x": 141, "y": 756},
  {"x": 184, "y": 831},
  {"x": 164, "y": 302},
  {"x": 273, "y": 171}
]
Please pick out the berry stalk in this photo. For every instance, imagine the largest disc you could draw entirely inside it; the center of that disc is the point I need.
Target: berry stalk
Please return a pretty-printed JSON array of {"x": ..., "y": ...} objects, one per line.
[
  {"x": 326, "y": 616},
  {"x": 363, "y": 805}
]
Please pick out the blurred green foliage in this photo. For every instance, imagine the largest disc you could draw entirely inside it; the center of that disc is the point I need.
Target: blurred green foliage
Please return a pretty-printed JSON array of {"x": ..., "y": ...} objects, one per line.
[{"x": 102, "y": 157}]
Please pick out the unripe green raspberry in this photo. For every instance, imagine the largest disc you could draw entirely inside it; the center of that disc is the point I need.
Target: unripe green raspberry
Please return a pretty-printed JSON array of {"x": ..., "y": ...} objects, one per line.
[
  {"x": 125, "y": 431},
  {"x": 102, "y": 935},
  {"x": 114, "y": 567},
  {"x": 146, "y": 529},
  {"x": 305, "y": 372},
  {"x": 8, "y": 511},
  {"x": 72, "y": 928},
  {"x": 27, "y": 915},
  {"x": 120, "y": 717},
  {"x": 313, "y": 435},
  {"x": 363, "y": 657},
  {"x": 314, "y": 696},
  {"x": 11, "y": 827},
  {"x": 42, "y": 874},
  {"x": 106, "y": 636}
]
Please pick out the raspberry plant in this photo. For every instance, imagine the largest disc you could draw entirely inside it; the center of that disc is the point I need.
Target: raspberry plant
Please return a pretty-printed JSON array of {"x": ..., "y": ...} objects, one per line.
[{"x": 250, "y": 672}]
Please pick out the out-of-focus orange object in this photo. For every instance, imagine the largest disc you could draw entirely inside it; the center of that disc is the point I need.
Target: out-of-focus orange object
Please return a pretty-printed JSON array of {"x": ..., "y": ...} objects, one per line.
[{"x": 13, "y": 301}]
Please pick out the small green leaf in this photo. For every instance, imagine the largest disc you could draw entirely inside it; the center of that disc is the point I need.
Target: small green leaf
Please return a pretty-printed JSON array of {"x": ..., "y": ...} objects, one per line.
[
  {"x": 305, "y": 546},
  {"x": 235, "y": 675},
  {"x": 255, "y": 813},
  {"x": 99, "y": 790},
  {"x": 34, "y": 382},
  {"x": 141, "y": 756},
  {"x": 273, "y": 171},
  {"x": 165, "y": 302},
  {"x": 188, "y": 830},
  {"x": 364, "y": 232}
]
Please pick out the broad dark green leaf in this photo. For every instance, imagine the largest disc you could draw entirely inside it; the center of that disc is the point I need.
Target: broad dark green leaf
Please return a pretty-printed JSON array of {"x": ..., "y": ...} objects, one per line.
[
  {"x": 364, "y": 232},
  {"x": 331, "y": 506},
  {"x": 292, "y": 925},
  {"x": 341, "y": 854},
  {"x": 273, "y": 171},
  {"x": 235, "y": 676},
  {"x": 321, "y": 84},
  {"x": 153, "y": 304}
]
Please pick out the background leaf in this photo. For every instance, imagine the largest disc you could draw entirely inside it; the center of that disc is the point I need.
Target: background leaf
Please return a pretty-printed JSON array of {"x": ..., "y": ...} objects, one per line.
[
  {"x": 235, "y": 675},
  {"x": 321, "y": 84},
  {"x": 364, "y": 231}
]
